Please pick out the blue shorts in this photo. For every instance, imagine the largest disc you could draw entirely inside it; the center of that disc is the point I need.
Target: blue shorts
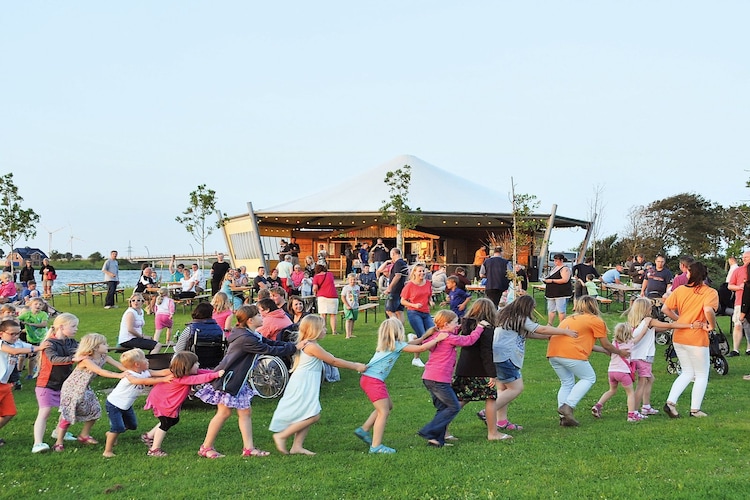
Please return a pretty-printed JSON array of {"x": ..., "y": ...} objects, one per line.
[
  {"x": 393, "y": 304},
  {"x": 507, "y": 372},
  {"x": 120, "y": 420}
]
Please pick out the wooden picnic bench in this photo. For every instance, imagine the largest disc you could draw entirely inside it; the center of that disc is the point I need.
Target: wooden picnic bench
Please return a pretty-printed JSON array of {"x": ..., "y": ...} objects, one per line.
[
  {"x": 364, "y": 307},
  {"x": 185, "y": 303},
  {"x": 103, "y": 294},
  {"x": 604, "y": 301}
]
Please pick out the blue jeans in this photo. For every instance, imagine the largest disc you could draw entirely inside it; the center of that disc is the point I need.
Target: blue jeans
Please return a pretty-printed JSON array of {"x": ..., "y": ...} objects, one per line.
[
  {"x": 445, "y": 401},
  {"x": 120, "y": 420},
  {"x": 419, "y": 321},
  {"x": 572, "y": 392},
  {"x": 111, "y": 290}
]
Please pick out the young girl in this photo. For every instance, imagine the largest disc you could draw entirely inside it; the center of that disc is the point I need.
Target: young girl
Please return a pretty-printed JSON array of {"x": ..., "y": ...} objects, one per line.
[
  {"x": 77, "y": 400},
  {"x": 438, "y": 372},
  {"x": 164, "y": 312},
  {"x": 299, "y": 407},
  {"x": 233, "y": 391},
  {"x": 644, "y": 328},
  {"x": 222, "y": 311},
  {"x": 514, "y": 326},
  {"x": 8, "y": 291},
  {"x": 166, "y": 399},
  {"x": 390, "y": 344},
  {"x": 56, "y": 364},
  {"x": 619, "y": 373}
]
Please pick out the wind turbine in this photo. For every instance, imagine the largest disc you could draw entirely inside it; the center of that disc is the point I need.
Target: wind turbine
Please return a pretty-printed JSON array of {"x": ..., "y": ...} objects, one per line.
[
  {"x": 49, "y": 249},
  {"x": 71, "y": 241}
]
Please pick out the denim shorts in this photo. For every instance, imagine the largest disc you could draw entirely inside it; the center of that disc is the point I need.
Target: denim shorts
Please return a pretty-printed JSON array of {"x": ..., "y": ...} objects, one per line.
[
  {"x": 507, "y": 372},
  {"x": 120, "y": 420}
]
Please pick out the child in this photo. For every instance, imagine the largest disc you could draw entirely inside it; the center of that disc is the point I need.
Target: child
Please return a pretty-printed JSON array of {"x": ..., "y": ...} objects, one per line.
[
  {"x": 10, "y": 348},
  {"x": 514, "y": 326},
  {"x": 166, "y": 399},
  {"x": 119, "y": 404},
  {"x": 30, "y": 292},
  {"x": 8, "y": 291},
  {"x": 8, "y": 311},
  {"x": 438, "y": 372},
  {"x": 644, "y": 328},
  {"x": 299, "y": 407},
  {"x": 36, "y": 327},
  {"x": 77, "y": 400},
  {"x": 458, "y": 298},
  {"x": 164, "y": 312},
  {"x": 390, "y": 344},
  {"x": 55, "y": 365},
  {"x": 350, "y": 300},
  {"x": 591, "y": 287},
  {"x": 234, "y": 392},
  {"x": 307, "y": 285}
]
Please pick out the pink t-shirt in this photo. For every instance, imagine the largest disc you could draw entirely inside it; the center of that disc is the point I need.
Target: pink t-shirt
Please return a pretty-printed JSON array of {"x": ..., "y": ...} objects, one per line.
[
  {"x": 326, "y": 285},
  {"x": 221, "y": 318},
  {"x": 439, "y": 367},
  {"x": 738, "y": 278}
]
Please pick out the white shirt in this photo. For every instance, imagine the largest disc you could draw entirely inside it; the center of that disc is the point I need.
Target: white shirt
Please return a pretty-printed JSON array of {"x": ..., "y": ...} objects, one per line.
[{"x": 124, "y": 394}]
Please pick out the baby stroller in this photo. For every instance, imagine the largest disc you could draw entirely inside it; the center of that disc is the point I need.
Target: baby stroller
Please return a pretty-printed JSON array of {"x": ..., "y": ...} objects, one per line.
[
  {"x": 663, "y": 337},
  {"x": 718, "y": 347}
]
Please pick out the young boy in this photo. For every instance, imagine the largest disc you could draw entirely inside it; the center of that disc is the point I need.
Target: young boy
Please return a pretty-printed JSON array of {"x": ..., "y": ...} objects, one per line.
[
  {"x": 350, "y": 299},
  {"x": 10, "y": 348},
  {"x": 36, "y": 328},
  {"x": 120, "y": 401},
  {"x": 458, "y": 298},
  {"x": 591, "y": 287},
  {"x": 30, "y": 292}
]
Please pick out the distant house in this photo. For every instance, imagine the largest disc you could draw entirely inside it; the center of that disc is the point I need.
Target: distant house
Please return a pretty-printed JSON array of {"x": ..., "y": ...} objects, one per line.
[{"x": 20, "y": 255}]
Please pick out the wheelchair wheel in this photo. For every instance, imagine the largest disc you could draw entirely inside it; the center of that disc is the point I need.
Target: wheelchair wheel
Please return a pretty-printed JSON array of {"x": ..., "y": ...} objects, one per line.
[
  {"x": 662, "y": 338},
  {"x": 673, "y": 367},
  {"x": 268, "y": 377},
  {"x": 720, "y": 364}
]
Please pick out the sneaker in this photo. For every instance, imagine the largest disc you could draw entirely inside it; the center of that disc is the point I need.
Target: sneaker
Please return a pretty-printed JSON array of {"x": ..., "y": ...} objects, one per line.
[
  {"x": 68, "y": 436},
  {"x": 635, "y": 417},
  {"x": 107, "y": 307},
  {"x": 481, "y": 415},
  {"x": 382, "y": 449},
  {"x": 647, "y": 410},
  {"x": 40, "y": 448},
  {"x": 417, "y": 362},
  {"x": 596, "y": 410}
]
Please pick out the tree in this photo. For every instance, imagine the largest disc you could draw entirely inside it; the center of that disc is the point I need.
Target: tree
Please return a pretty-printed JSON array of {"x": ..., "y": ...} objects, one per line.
[
  {"x": 202, "y": 205},
  {"x": 397, "y": 209},
  {"x": 15, "y": 222},
  {"x": 95, "y": 257},
  {"x": 596, "y": 214},
  {"x": 734, "y": 228}
]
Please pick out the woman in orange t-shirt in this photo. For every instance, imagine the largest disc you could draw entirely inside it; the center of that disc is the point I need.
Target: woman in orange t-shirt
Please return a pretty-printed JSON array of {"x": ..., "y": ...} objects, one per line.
[
  {"x": 569, "y": 356},
  {"x": 692, "y": 303}
]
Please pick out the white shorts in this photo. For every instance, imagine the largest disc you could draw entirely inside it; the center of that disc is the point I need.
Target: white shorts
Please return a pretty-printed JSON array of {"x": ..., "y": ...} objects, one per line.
[
  {"x": 328, "y": 306},
  {"x": 736, "y": 315}
]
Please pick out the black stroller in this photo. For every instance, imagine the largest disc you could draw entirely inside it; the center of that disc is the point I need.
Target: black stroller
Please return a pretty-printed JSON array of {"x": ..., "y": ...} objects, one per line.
[{"x": 718, "y": 347}]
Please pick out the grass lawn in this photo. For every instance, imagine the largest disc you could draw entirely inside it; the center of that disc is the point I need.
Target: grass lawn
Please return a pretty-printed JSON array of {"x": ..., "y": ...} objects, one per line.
[{"x": 607, "y": 458}]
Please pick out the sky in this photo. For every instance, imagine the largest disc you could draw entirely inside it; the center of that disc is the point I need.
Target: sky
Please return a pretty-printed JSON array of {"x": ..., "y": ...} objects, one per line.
[{"x": 111, "y": 113}]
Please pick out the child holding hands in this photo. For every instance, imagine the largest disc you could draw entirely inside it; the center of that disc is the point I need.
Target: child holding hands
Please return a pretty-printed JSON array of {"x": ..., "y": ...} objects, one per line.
[{"x": 390, "y": 344}]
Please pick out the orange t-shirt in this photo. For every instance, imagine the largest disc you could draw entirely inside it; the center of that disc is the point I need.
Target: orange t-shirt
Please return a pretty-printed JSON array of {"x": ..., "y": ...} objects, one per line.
[
  {"x": 589, "y": 328},
  {"x": 689, "y": 302}
]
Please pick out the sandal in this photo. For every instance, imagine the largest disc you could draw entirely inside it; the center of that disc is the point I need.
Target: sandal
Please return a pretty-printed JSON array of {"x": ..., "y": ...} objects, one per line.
[
  {"x": 147, "y": 440},
  {"x": 698, "y": 414},
  {"x": 87, "y": 440},
  {"x": 509, "y": 426},
  {"x": 158, "y": 452},
  {"x": 451, "y": 437},
  {"x": 209, "y": 452},
  {"x": 254, "y": 452},
  {"x": 671, "y": 411},
  {"x": 58, "y": 447},
  {"x": 363, "y": 435}
]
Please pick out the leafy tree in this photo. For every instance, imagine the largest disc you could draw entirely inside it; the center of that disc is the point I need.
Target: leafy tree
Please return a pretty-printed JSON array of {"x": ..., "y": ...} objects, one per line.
[
  {"x": 55, "y": 255},
  {"x": 194, "y": 218},
  {"x": 95, "y": 257},
  {"x": 734, "y": 225},
  {"x": 397, "y": 209},
  {"x": 15, "y": 222},
  {"x": 610, "y": 251}
]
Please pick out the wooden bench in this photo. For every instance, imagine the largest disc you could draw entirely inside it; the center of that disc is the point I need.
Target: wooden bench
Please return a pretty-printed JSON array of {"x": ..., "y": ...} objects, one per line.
[
  {"x": 103, "y": 294},
  {"x": 185, "y": 303},
  {"x": 364, "y": 307},
  {"x": 604, "y": 300},
  {"x": 539, "y": 286}
]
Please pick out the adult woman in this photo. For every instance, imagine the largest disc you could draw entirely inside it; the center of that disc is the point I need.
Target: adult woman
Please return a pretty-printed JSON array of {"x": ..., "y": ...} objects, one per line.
[
  {"x": 416, "y": 297},
  {"x": 569, "y": 356},
  {"x": 297, "y": 309},
  {"x": 222, "y": 313},
  {"x": 558, "y": 289},
  {"x": 131, "y": 327},
  {"x": 48, "y": 276},
  {"x": 310, "y": 265},
  {"x": 324, "y": 288},
  {"x": 297, "y": 276},
  {"x": 692, "y": 303}
]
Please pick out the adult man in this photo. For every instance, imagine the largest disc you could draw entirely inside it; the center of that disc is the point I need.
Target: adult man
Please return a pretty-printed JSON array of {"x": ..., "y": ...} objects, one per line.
[
  {"x": 479, "y": 257},
  {"x": 580, "y": 271},
  {"x": 612, "y": 275},
  {"x": 145, "y": 281},
  {"x": 111, "y": 270},
  {"x": 285, "y": 268},
  {"x": 260, "y": 280},
  {"x": 681, "y": 279},
  {"x": 197, "y": 276},
  {"x": 218, "y": 271},
  {"x": 636, "y": 269},
  {"x": 364, "y": 254},
  {"x": 495, "y": 269},
  {"x": 27, "y": 274},
  {"x": 294, "y": 251},
  {"x": 736, "y": 284},
  {"x": 368, "y": 280},
  {"x": 176, "y": 272},
  {"x": 657, "y": 279},
  {"x": 396, "y": 282},
  {"x": 558, "y": 289},
  {"x": 379, "y": 254}
]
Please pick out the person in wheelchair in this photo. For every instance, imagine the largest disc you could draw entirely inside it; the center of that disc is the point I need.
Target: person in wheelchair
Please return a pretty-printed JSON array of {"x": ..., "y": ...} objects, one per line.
[
  {"x": 369, "y": 281},
  {"x": 275, "y": 320},
  {"x": 203, "y": 336}
]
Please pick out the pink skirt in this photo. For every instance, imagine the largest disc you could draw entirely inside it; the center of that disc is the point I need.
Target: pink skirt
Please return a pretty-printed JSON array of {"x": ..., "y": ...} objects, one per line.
[{"x": 163, "y": 321}]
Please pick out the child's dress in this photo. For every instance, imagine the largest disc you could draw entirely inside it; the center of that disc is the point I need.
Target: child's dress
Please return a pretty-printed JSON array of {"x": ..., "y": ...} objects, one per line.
[
  {"x": 301, "y": 399},
  {"x": 78, "y": 403}
]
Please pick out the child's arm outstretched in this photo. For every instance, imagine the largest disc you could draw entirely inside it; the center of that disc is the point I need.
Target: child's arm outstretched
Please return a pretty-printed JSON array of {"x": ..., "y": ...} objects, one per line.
[
  {"x": 419, "y": 347},
  {"x": 110, "y": 360},
  {"x": 660, "y": 326},
  {"x": 150, "y": 380},
  {"x": 6, "y": 347},
  {"x": 93, "y": 367},
  {"x": 313, "y": 349},
  {"x": 544, "y": 332}
]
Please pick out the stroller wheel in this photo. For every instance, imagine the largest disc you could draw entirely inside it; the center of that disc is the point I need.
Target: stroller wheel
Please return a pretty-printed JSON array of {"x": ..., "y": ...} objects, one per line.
[
  {"x": 662, "y": 338},
  {"x": 720, "y": 364},
  {"x": 674, "y": 367}
]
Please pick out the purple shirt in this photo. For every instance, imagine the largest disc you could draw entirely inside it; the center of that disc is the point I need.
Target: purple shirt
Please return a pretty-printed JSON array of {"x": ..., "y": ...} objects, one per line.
[{"x": 439, "y": 367}]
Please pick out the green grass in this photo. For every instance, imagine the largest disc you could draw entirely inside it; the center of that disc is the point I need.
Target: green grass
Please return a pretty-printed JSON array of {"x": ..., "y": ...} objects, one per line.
[{"x": 607, "y": 458}]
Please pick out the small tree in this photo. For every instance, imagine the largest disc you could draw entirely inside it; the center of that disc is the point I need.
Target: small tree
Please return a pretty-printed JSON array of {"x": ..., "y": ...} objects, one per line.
[
  {"x": 15, "y": 222},
  {"x": 397, "y": 209},
  {"x": 95, "y": 257},
  {"x": 202, "y": 205}
]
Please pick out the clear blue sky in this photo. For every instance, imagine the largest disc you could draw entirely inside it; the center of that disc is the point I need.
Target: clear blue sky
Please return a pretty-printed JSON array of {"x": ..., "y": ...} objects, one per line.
[{"x": 112, "y": 112}]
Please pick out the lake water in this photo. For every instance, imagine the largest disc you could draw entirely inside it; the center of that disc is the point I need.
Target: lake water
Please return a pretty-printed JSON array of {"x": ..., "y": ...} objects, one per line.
[{"x": 128, "y": 279}]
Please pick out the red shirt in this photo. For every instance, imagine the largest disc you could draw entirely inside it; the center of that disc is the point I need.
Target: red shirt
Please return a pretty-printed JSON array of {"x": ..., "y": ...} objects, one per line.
[
  {"x": 418, "y": 294},
  {"x": 326, "y": 285}
]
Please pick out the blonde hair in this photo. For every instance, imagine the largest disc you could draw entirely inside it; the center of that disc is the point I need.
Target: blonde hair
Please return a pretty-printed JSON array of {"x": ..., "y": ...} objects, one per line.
[
  {"x": 311, "y": 328},
  {"x": 90, "y": 343},
  {"x": 131, "y": 357},
  {"x": 60, "y": 321},
  {"x": 623, "y": 333},
  {"x": 414, "y": 269},
  {"x": 163, "y": 293},
  {"x": 390, "y": 331},
  {"x": 182, "y": 363},
  {"x": 6, "y": 276},
  {"x": 220, "y": 302},
  {"x": 639, "y": 309},
  {"x": 36, "y": 300},
  {"x": 586, "y": 305},
  {"x": 442, "y": 318},
  {"x": 7, "y": 308}
]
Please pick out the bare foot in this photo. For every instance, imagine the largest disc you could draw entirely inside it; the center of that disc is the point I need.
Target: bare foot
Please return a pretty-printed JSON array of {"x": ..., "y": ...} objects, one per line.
[
  {"x": 280, "y": 443},
  {"x": 301, "y": 451},
  {"x": 108, "y": 454}
]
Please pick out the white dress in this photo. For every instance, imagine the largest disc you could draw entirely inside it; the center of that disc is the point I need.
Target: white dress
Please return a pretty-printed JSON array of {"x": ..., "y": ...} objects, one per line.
[{"x": 301, "y": 399}]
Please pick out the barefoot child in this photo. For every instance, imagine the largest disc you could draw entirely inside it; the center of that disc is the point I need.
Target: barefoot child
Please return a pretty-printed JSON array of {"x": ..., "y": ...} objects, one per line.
[
  {"x": 119, "y": 404},
  {"x": 350, "y": 301},
  {"x": 78, "y": 403},
  {"x": 234, "y": 392},
  {"x": 299, "y": 407},
  {"x": 390, "y": 344}
]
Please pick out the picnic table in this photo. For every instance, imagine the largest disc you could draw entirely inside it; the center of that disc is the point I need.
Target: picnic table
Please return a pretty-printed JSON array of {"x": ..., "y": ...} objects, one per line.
[
  {"x": 81, "y": 290},
  {"x": 622, "y": 291}
]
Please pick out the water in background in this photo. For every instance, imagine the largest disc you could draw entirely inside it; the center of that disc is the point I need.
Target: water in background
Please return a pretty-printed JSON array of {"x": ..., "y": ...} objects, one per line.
[{"x": 128, "y": 279}]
